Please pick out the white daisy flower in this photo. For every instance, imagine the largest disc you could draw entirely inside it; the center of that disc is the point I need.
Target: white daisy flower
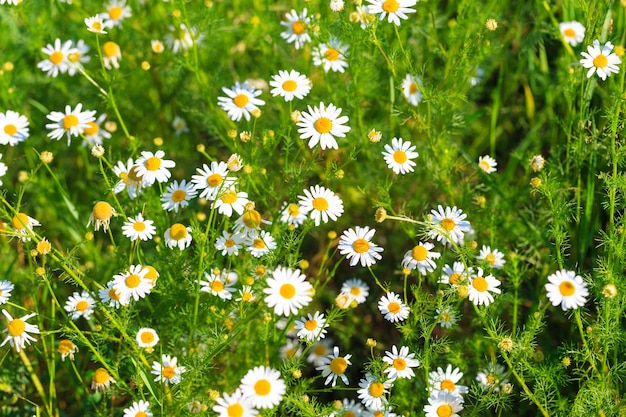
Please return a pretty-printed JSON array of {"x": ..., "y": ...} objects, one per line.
[
  {"x": 263, "y": 386},
  {"x": 117, "y": 11},
  {"x": 394, "y": 10},
  {"x": 399, "y": 156},
  {"x": 293, "y": 214},
  {"x": 5, "y": 291},
  {"x": 487, "y": 164},
  {"x": 297, "y": 25},
  {"x": 448, "y": 224},
  {"x": 393, "y": 308},
  {"x": 13, "y": 128},
  {"x": 178, "y": 235},
  {"x": 246, "y": 294},
  {"x": 321, "y": 204},
  {"x": 492, "y": 378},
  {"x": 229, "y": 243},
  {"x": 455, "y": 275},
  {"x": 447, "y": 380},
  {"x": 421, "y": 258},
  {"x": 290, "y": 350},
  {"x": 219, "y": 284},
  {"x": 356, "y": 289},
  {"x": 331, "y": 55},
  {"x": 481, "y": 287},
  {"x": 111, "y": 55},
  {"x": 336, "y": 5},
  {"x": 372, "y": 391},
  {"x": 23, "y": 225},
  {"x": 157, "y": 46},
  {"x": 95, "y": 24},
  {"x": 289, "y": 85},
  {"x": 168, "y": 371},
  {"x": 411, "y": 88},
  {"x": 57, "y": 61},
  {"x": 357, "y": 245},
  {"x": 77, "y": 57},
  {"x": 235, "y": 404},
  {"x": 287, "y": 291},
  {"x": 129, "y": 180},
  {"x": 101, "y": 215},
  {"x": 362, "y": 16},
  {"x": 111, "y": 296},
  {"x": 443, "y": 403},
  {"x": 80, "y": 305},
  {"x": 334, "y": 366},
  {"x": 211, "y": 179},
  {"x": 181, "y": 38},
  {"x": 70, "y": 123},
  {"x": 600, "y": 60},
  {"x": 573, "y": 32},
  {"x": 312, "y": 327},
  {"x": 241, "y": 101},
  {"x": 322, "y": 125},
  {"x": 147, "y": 338},
  {"x": 132, "y": 283},
  {"x": 152, "y": 167},
  {"x": 230, "y": 200},
  {"x": 567, "y": 289},
  {"x": 494, "y": 257},
  {"x": 401, "y": 363},
  {"x": 178, "y": 195},
  {"x": 94, "y": 134},
  {"x": 180, "y": 126},
  {"x": 260, "y": 244},
  {"x": 319, "y": 351},
  {"x": 446, "y": 317},
  {"x": 138, "y": 228},
  {"x": 138, "y": 409},
  {"x": 18, "y": 331},
  {"x": 350, "y": 408}
]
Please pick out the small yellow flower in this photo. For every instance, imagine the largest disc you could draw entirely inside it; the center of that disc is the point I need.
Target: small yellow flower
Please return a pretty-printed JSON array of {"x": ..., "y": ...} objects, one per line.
[
  {"x": 491, "y": 24},
  {"x": 46, "y": 157},
  {"x": 67, "y": 348},
  {"x": 101, "y": 380},
  {"x": 44, "y": 247},
  {"x": 506, "y": 344}
]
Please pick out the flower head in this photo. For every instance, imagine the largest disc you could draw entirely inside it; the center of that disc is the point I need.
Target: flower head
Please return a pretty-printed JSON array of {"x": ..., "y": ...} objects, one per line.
[
  {"x": 487, "y": 164},
  {"x": 481, "y": 287},
  {"x": 600, "y": 60},
  {"x": 5, "y": 291},
  {"x": 23, "y": 225},
  {"x": 573, "y": 32},
  {"x": 334, "y": 366},
  {"x": 448, "y": 224},
  {"x": 290, "y": 84},
  {"x": 168, "y": 371},
  {"x": 13, "y": 128},
  {"x": 178, "y": 235},
  {"x": 102, "y": 379},
  {"x": 153, "y": 167},
  {"x": 312, "y": 327},
  {"x": 331, "y": 56},
  {"x": 219, "y": 284},
  {"x": 132, "y": 283},
  {"x": 399, "y": 156},
  {"x": 494, "y": 257},
  {"x": 95, "y": 24},
  {"x": 442, "y": 403},
  {"x": 401, "y": 363},
  {"x": 57, "y": 61},
  {"x": 263, "y": 386},
  {"x": 287, "y": 291},
  {"x": 18, "y": 331},
  {"x": 296, "y": 25},
  {"x": 111, "y": 54},
  {"x": 147, "y": 338},
  {"x": 101, "y": 215},
  {"x": 321, "y": 203},
  {"x": 411, "y": 88},
  {"x": 447, "y": 380},
  {"x": 567, "y": 289},
  {"x": 393, "y": 308},
  {"x": 138, "y": 228},
  {"x": 394, "y": 10},
  {"x": 357, "y": 245},
  {"x": 117, "y": 11},
  {"x": 69, "y": 123},
  {"x": 80, "y": 305},
  {"x": 421, "y": 258},
  {"x": 323, "y": 125},
  {"x": 372, "y": 391},
  {"x": 235, "y": 404},
  {"x": 240, "y": 101},
  {"x": 138, "y": 409},
  {"x": 356, "y": 289}
]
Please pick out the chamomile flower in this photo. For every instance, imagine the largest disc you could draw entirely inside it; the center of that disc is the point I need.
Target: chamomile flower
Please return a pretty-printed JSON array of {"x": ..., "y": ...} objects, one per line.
[
  {"x": 319, "y": 351},
  {"x": 229, "y": 243},
  {"x": 94, "y": 134},
  {"x": 13, "y": 128},
  {"x": 290, "y": 84},
  {"x": 312, "y": 327},
  {"x": 241, "y": 101},
  {"x": 260, "y": 244},
  {"x": 323, "y": 125},
  {"x": 177, "y": 195},
  {"x": 102, "y": 380},
  {"x": 57, "y": 61},
  {"x": 331, "y": 56},
  {"x": 494, "y": 257},
  {"x": 147, "y": 338},
  {"x": 77, "y": 57},
  {"x": 356, "y": 289},
  {"x": 567, "y": 289},
  {"x": 287, "y": 291},
  {"x": 443, "y": 403},
  {"x": 487, "y": 164},
  {"x": 246, "y": 294},
  {"x": 211, "y": 179},
  {"x": 80, "y": 305},
  {"x": 152, "y": 167},
  {"x": 336, "y": 5},
  {"x": 448, "y": 224},
  {"x": 447, "y": 380},
  {"x": 357, "y": 245},
  {"x": 573, "y": 32},
  {"x": 138, "y": 409},
  {"x": 321, "y": 203},
  {"x": 219, "y": 284},
  {"x": 67, "y": 348},
  {"x": 393, "y": 308},
  {"x": 111, "y": 296},
  {"x": 372, "y": 391},
  {"x": 296, "y": 28},
  {"x": 481, "y": 287},
  {"x": 178, "y": 236},
  {"x": 95, "y": 24},
  {"x": 235, "y": 404},
  {"x": 180, "y": 126},
  {"x": 230, "y": 200},
  {"x": 293, "y": 214},
  {"x": 446, "y": 317},
  {"x": 132, "y": 283},
  {"x": 138, "y": 228},
  {"x": 290, "y": 350},
  {"x": 101, "y": 215},
  {"x": 129, "y": 180},
  {"x": 117, "y": 11},
  {"x": 399, "y": 156},
  {"x": 350, "y": 408},
  {"x": 394, "y": 10},
  {"x": 421, "y": 258},
  {"x": 263, "y": 386},
  {"x": 334, "y": 366},
  {"x": 455, "y": 275},
  {"x": 111, "y": 55},
  {"x": 401, "y": 363},
  {"x": 69, "y": 123},
  {"x": 492, "y": 378},
  {"x": 362, "y": 16},
  {"x": 600, "y": 60},
  {"x": 18, "y": 331},
  {"x": 5, "y": 291},
  {"x": 23, "y": 225},
  {"x": 411, "y": 89},
  {"x": 181, "y": 38},
  {"x": 168, "y": 371}
]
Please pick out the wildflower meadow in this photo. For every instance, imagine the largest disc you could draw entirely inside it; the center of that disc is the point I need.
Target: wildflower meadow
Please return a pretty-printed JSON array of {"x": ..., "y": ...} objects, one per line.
[{"x": 320, "y": 208}]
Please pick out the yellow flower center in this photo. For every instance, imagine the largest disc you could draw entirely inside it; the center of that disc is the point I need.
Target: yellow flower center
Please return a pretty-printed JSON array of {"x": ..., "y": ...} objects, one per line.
[
  {"x": 419, "y": 253},
  {"x": 258, "y": 243},
  {"x": 92, "y": 129},
  {"x": 480, "y": 284},
  {"x": 484, "y": 164},
  {"x": 110, "y": 49},
  {"x": 214, "y": 180},
  {"x": 393, "y": 307},
  {"x": 290, "y": 85},
  {"x": 600, "y": 61},
  {"x": 455, "y": 279},
  {"x": 320, "y": 350},
  {"x": 147, "y": 337},
  {"x": 153, "y": 163},
  {"x": 332, "y": 54},
  {"x": 178, "y": 231},
  {"x": 139, "y": 226},
  {"x": 178, "y": 196},
  {"x": 70, "y": 121},
  {"x": 115, "y": 12},
  {"x": 377, "y": 389},
  {"x": 16, "y": 327},
  {"x": 252, "y": 219},
  {"x": 320, "y": 204},
  {"x": 323, "y": 125},
  {"x": 73, "y": 57},
  {"x": 113, "y": 295},
  {"x": 97, "y": 26},
  {"x": 20, "y": 221},
  {"x": 447, "y": 384},
  {"x": 262, "y": 387},
  {"x": 447, "y": 224},
  {"x": 133, "y": 280},
  {"x": 399, "y": 364},
  {"x": 241, "y": 100},
  {"x": 287, "y": 291},
  {"x": 56, "y": 57},
  {"x": 355, "y": 290},
  {"x": 169, "y": 372},
  {"x": 101, "y": 376},
  {"x": 102, "y": 210},
  {"x": 152, "y": 273},
  {"x": 293, "y": 210},
  {"x": 567, "y": 289},
  {"x": 65, "y": 346},
  {"x": 338, "y": 366},
  {"x": 141, "y": 414},
  {"x": 298, "y": 27},
  {"x": 229, "y": 197},
  {"x": 413, "y": 88},
  {"x": 361, "y": 245},
  {"x": 491, "y": 259},
  {"x": 133, "y": 174},
  {"x": 399, "y": 157},
  {"x": 310, "y": 325},
  {"x": 569, "y": 33},
  {"x": 234, "y": 410},
  {"x": 217, "y": 285},
  {"x": 82, "y": 305},
  {"x": 444, "y": 410},
  {"x": 10, "y": 129},
  {"x": 229, "y": 243},
  {"x": 391, "y": 6},
  {"x": 348, "y": 414}
]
